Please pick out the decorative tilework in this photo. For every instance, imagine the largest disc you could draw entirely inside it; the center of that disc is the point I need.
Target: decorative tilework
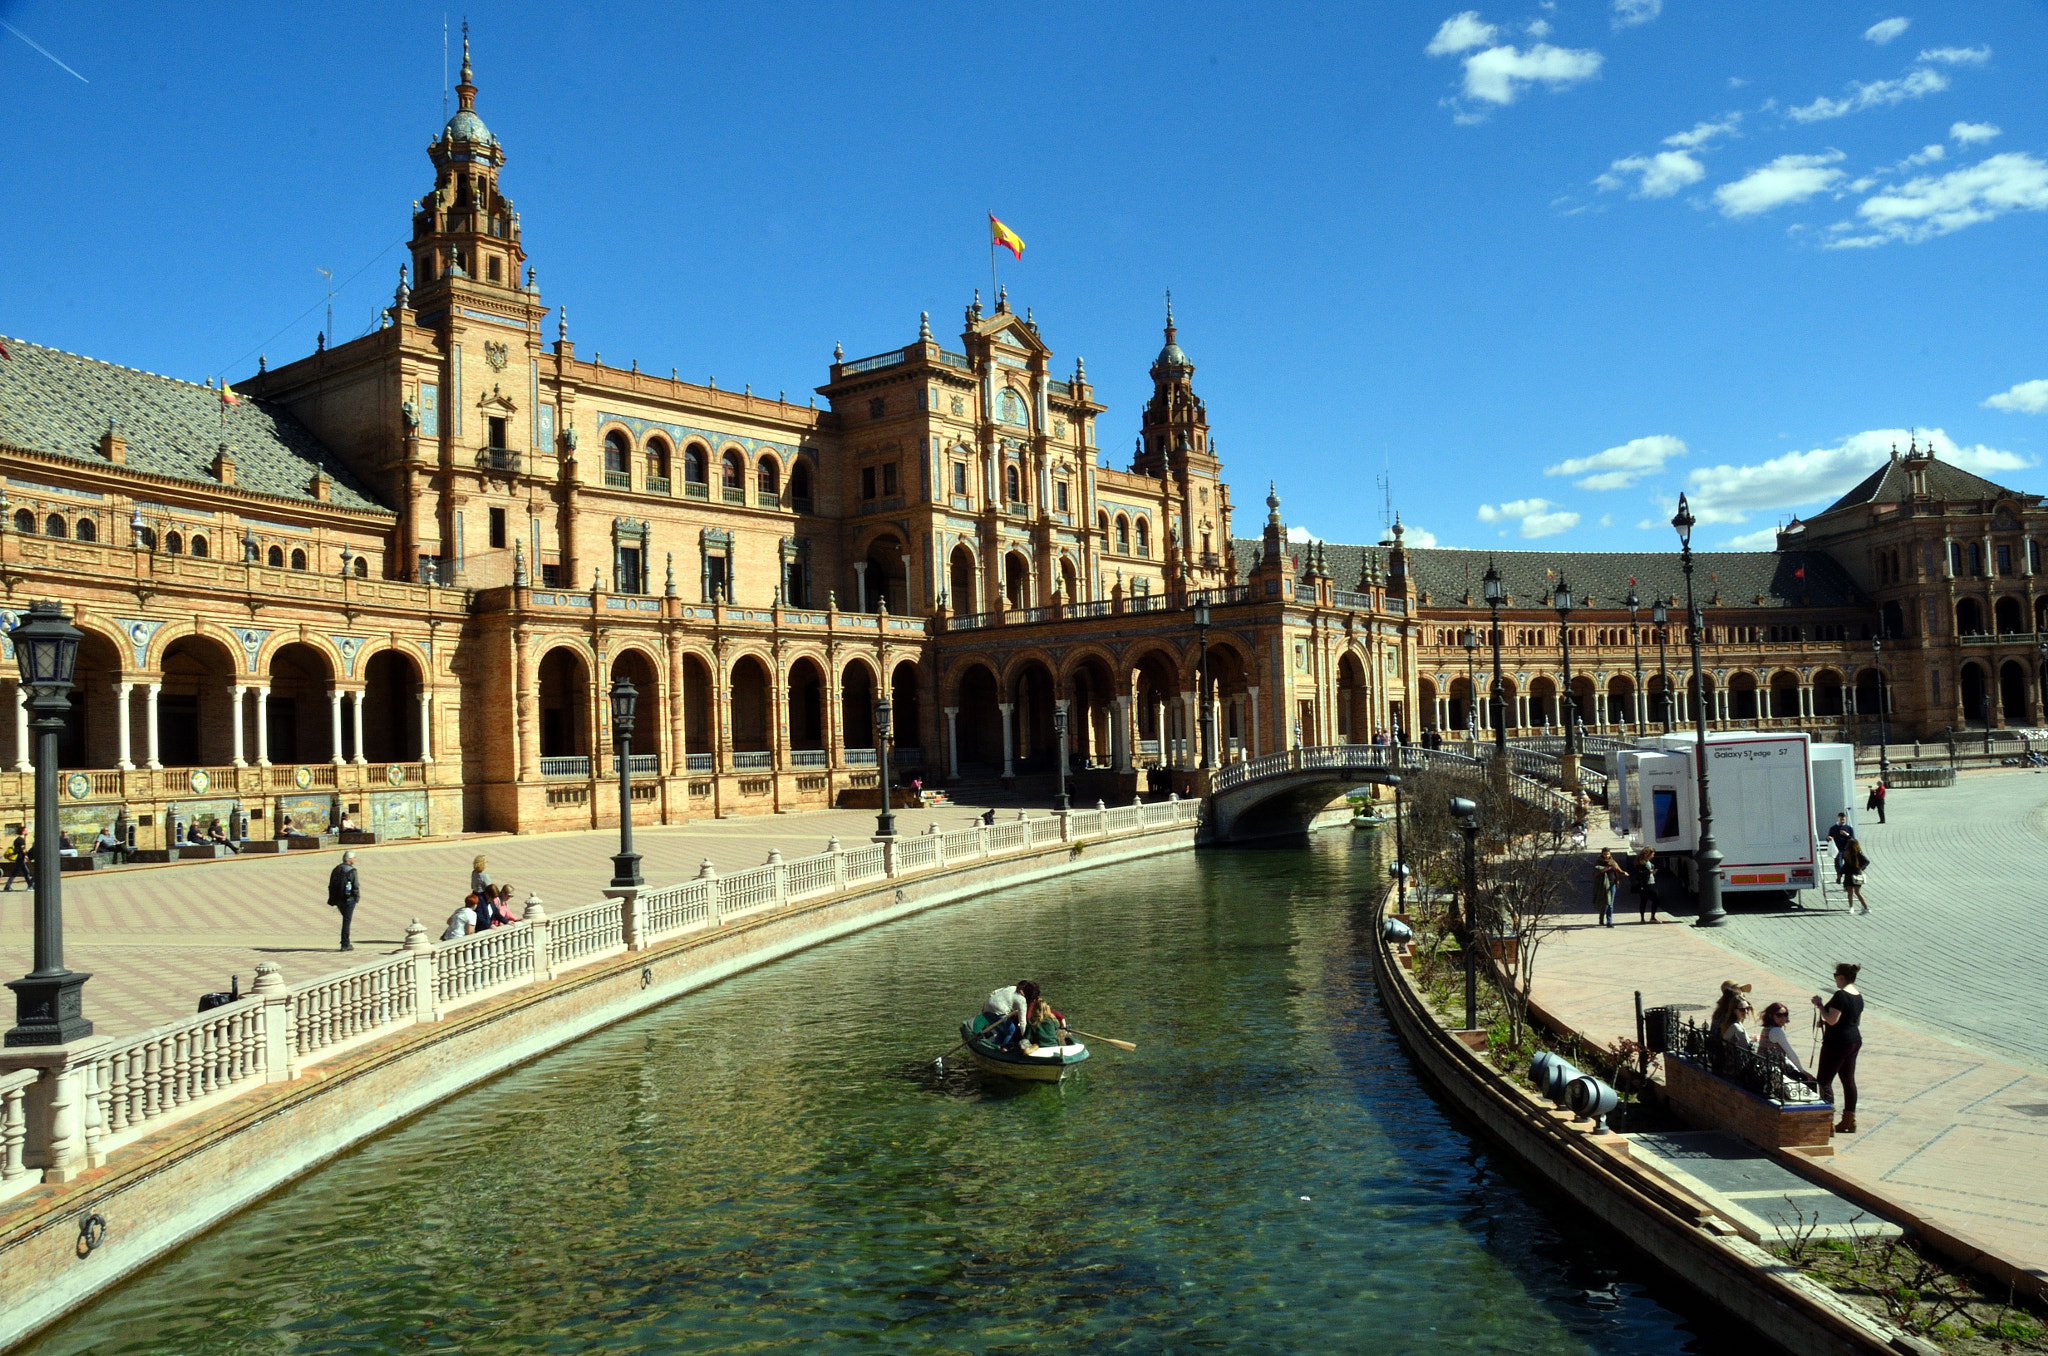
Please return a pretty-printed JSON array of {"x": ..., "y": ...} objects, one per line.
[
  {"x": 348, "y": 647},
  {"x": 139, "y": 633},
  {"x": 252, "y": 642}
]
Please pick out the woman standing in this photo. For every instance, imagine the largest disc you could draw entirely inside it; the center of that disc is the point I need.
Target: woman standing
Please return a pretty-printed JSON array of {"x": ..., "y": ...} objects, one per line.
[
  {"x": 479, "y": 879},
  {"x": 1841, "y": 1038},
  {"x": 1608, "y": 875},
  {"x": 1852, "y": 883},
  {"x": 1642, "y": 870}
]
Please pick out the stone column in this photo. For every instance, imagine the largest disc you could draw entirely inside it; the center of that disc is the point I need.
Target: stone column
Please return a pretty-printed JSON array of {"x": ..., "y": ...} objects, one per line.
[
  {"x": 1120, "y": 734},
  {"x": 860, "y": 586},
  {"x": 333, "y": 726},
  {"x": 1006, "y": 707},
  {"x": 1251, "y": 748},
  {"x": 356, "y": 703},
  {"x": 124, "y": 720},
  {"x": 263, "y": 727},
  {"x": 235, "y": 704},
  {"x": 426, "y": 727},
  {"x": 155, "y": 749},
  {"x": 953, "y": 743},
  {"x": 21, "y": 750},
  {"x": 1190, "y": 713}
]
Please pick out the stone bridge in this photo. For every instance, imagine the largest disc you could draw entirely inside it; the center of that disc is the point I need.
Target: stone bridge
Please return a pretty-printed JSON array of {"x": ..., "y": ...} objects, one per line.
[{"x": 1283, "y": 794}]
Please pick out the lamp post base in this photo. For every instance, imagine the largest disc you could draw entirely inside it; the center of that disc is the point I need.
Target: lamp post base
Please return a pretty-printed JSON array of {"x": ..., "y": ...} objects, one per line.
[
  {"x": 49, "y": 1009},
  {"x": 626, "y": 871}
]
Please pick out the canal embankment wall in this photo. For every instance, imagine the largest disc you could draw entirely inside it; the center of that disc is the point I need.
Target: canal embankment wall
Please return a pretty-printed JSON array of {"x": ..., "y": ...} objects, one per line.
[
  {"x": 149, "y": 1142},
  {"x": 1594, "y": 1171}
]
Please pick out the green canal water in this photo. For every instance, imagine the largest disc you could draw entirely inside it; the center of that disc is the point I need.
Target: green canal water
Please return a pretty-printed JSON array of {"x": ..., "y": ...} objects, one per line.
[{"x": 768, "y": 1166}]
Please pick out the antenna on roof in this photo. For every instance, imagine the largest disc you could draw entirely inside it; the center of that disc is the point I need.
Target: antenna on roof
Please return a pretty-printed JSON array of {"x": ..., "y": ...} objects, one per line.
[{"x": 444, "y": 69}]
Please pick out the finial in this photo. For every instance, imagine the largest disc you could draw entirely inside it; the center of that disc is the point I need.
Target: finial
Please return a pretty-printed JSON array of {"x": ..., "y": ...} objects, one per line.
[
  {"x": 1080, "y": 369},
  {"x": 562, "y": 324},
  {"x": 262, "y": 363},
  {"x": 1169, "y": 310},
  {"x": 596, "y": 581},
  {"x": 924, "y": 327},
  {"x": 838, "y": 353},
  {"x": 670, "y": 588},
  {"x": 531, "y": 284},
  {"x": 518, "y": 564},
  {"x": 403, "y": 297},
  {"x": 636, "y": 366},
  {"x": 320, "y": 342},
  {"x": 1273, "y": 497},
  {"x": 1028, "y": 320},
  {"x": 1002, "y": 300},
  {"x": 466, "y": 75}
]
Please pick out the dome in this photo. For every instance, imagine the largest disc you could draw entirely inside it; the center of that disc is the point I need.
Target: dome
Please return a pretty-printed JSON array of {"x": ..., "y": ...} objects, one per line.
[
  {"x": 1171, "y": 356},
  {"x": 467, "y": 126}
]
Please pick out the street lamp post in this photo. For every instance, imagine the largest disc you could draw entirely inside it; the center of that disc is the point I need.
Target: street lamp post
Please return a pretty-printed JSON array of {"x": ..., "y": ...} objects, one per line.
[
  {"x": 625, "y": 701},
  {"x": 1399, "y": 870},
  {"x": 49, "y": 1001},
  {"x": 1569, "y": 710},
  {"x": 1636, "y": 698},
  {"x": 885, "y": 822},
  {"x": 1660, "y": 617},
  {"x": 1472, "y": 690},
  {"x": 1884, "y": 760},
  {"x": 1059, "y": 731},
  {"x": 1206, "y": 755},
  {"x": 1467, "y": 815},
  {"x": 1496, "y": 594},
  {"x": 1708, "y": 858}
]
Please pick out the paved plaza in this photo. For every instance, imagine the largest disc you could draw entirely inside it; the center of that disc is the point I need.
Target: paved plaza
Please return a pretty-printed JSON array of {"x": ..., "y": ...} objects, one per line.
[
  {"x": 1954, "y": 1091},
  {"x": 155, "y": 938}
]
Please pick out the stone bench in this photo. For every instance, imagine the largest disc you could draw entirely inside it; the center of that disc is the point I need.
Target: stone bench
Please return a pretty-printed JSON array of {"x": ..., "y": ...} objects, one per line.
[
  {"x": 88, "y": 861},
  {"x": 1711, "y": 1102}
]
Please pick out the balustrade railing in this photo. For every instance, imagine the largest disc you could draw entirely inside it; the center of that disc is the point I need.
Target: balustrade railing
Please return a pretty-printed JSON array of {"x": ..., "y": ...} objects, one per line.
[
  {"x": 593, "y": 930},
  {"x": 479, "y": 964},
  {"x": 754, "y": 760},
  {"x": 352, "y": 1005},
  {"x": 150, "y": 1076},
  {"x": 15, "y": 1175},
  {"x": 565, "y": 767}
]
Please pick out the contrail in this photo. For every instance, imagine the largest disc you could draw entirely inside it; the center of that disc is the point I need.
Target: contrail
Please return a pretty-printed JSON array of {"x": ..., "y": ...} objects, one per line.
[{"x": 40, "y": 48}]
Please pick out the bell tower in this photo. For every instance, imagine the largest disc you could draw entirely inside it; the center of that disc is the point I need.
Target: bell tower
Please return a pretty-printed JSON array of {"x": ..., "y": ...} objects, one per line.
[
  {"x": 1175, "y": 446},
  {"x": 466, "y": 228}
]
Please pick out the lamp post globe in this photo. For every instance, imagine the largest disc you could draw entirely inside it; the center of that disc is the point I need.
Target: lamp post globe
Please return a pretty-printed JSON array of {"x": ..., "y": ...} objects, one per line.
[
  {"x": 49, "y": 1001},
  {"x": 1707, "y": 860},
  {"x": 1496, "y": 593},
  {"x": 625, "y": 702},
  {"x": 885, "y": 822}
]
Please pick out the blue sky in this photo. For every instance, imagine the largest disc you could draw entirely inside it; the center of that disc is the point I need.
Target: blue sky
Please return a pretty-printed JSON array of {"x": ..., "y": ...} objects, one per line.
[{"x": 1543, "y": 265}]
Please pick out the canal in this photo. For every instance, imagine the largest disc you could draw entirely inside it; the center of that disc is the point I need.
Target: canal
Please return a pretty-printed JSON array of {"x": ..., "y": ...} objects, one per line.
[{"x": 770, "y": 1166}]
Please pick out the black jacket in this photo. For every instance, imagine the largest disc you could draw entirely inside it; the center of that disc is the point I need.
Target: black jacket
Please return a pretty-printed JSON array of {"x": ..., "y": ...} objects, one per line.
[{"x": 343, "y": 890}]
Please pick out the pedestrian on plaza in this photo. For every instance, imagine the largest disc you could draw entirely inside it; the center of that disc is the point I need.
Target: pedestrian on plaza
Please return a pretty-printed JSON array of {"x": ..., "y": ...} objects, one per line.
[
  {"x": 463, "y": 921},
  {"x": 1777, "y": 1018},
  {"x": 15, "y": 861},
  {"x": 1727, "y": 1041},
  {"x": 1876, "y": 801},
  {"x": 479, "y": 879},
  {"x": 1841, "y": 835},
  {"x": 1608, "y": 875},
  {"x": 1642, "y": 873},
  {"x": 344, "y": 891},
  {"x": 1841, "y": 1040},
  {"x": 1852, "y": 884}
]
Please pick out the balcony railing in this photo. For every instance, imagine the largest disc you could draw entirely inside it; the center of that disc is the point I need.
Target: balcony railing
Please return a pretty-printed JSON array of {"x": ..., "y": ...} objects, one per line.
[
  {"x": 1094, "y": 607},
  {"x": 768, "y": 499},
  {"x": 1146, "y": 602},
  {"x": 644, "y": 762},
  {"x": 880, "y": 360},
  {"x": 968, "y": 621},
  {"x": 753, "y": 760},
  {"x": 1019, "y": 508},
  {"x": 1356, "y": 602},
  {"x": 807, "y": 758},
  {"x": 618, "y": 480},
  {"x": 696, "y": 489},
  {"x": 953, "y": 360},
  {"x": 907, "y": 757},
  {"x": 497, "y": 459},
  {"x": 565, "y": 767},
  {"x": 697, "y": 762},
  {"x": 860, "y": 758},
  {"x": 735, "y": 494},
  {"x": 800, "y": 503},
  {"x": 657, "y": 484}
]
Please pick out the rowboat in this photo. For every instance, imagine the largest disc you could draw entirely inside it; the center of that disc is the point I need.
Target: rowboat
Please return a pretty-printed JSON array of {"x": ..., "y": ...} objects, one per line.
[{"x": 1048, "y": 1064}]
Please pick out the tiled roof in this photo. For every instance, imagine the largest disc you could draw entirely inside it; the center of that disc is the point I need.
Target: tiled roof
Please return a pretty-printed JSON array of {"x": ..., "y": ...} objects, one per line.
[
  {"x": 1891, "y": 483},
  {"x": 1599, "y": 578},
  {"x": 59, "y": 403}
]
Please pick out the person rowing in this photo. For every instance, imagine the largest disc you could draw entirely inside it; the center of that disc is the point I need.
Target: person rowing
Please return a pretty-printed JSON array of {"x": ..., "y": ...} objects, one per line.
[
  {"x": 1046, "y": 1029},
  {"x": 1007, "y": 1012}
]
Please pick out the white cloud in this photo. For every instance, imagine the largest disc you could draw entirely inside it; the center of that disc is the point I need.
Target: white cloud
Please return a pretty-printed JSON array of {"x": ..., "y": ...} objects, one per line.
[
  {"x": 1703, "y": 133},
  {"x": 1925, "y": 155},
  {"x": 1884, "y": 30},
  {"x": 1763, "y": 539},
  {"x": 1931, "y": 206},
  {"x": 1629, "y": 13},
  {"x": 1299, "y": 535},
  {"x": 1970, "y": 133},
  {"x": 1499, "y": 74},
  {"x": 1788, "y": 179},
  {"x": 1607, "y": 520},
  {"x": 1461, "y": 33},
  {"x": 1658, "y": 176},
  {"x": 1538, "y": 517},
  {"x": 1619, "y": 467},
  {"x": 1794, "y": 480},
  {"x": 2029, "y": 397},
  {"x": 1537, "y": 28},
  {"x": 1958, "y": 56},
  {"x": 1736, "y": 82},
  {"x": 1914, "y": 84},
  {"x": 1421, "y": 537}
]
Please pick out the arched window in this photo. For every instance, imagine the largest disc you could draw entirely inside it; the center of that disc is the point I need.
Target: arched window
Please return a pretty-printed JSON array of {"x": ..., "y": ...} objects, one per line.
[
  {"x": 1014, "y": 484},
  {"x": 693, "y": 464},
  {"x": 657, "y": 462},
  {"x": 53, "y": 526},
  {"x": 174, "y": 544},
  {"x": 1123, "y": 535},
  {"x": 298, "y": 560},
  {"x": 25, "y": 522},
  {"x": 86, "y": 530},
  {"x": 767, "y": 477},
  {"x": 198, "y": 544},
  {"x": 1976, "y": 557},
  {"x": 1144, "y": 538},
  {"x": 800, "y": 486},
  {"x": 276, "y": 558},
  {"x": 149, "y": 539},
  {"x": 618, "y": 471},
  {"x": 734, "y": 472},
  {"x": 362, "y": 566},
  {"x": 1103, "y": 517}
]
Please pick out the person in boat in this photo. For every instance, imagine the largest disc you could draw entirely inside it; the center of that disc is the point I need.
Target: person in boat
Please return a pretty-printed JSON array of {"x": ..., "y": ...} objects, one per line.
[
  {"x": 1045, "y": 1029},
  {"x": 1007, "y": 1011}
]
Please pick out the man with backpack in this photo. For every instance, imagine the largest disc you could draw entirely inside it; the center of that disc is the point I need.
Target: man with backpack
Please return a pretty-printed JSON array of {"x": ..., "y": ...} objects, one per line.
[{"x": 344, "y": 891}]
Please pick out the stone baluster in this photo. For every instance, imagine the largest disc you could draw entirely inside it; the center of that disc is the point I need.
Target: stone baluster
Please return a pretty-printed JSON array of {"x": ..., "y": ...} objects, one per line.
[
  {"x": 426, "y": 1000},
  {"x": 541, "y": 929}
]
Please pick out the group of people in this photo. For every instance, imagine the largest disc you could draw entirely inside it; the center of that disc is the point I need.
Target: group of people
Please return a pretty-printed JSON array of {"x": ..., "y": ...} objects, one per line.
[
  {"x": 1017, "y": 1017},
  {"x": 1839, "y": 1017},
  {"x": 486, "y": 905},
  {"x": 1640, "y": 871}
]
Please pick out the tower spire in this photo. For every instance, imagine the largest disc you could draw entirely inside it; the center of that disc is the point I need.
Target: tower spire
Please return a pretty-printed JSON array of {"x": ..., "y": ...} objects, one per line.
[{"x": 465, "y": 89}]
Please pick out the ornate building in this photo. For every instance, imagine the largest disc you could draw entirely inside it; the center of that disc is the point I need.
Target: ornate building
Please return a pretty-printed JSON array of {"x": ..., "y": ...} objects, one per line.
[{"x": 396, "y": 577}]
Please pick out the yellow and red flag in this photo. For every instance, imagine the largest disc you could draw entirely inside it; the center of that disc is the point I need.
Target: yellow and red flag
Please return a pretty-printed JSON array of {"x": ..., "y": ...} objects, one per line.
[
  {"x": 1004, "y": 236},
  {"x": 227, "y": 394}
]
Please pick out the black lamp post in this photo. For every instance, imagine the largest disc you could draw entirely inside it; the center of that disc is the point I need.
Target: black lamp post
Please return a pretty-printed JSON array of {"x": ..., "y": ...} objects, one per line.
[
  {"x": 1884, "y": 759},
  {"x": 1708, "y": 857},
  {"x": 49, "y": 1002},
  {"x": 1059, "y": 731},
  {"x": 625, "y": 700},
  {"x": 1399, "y": 870},
  {"x": 1641, "y": 703},
  {"x": 1660, "y": 617},
  {"x": 1562, "y": 601},
  {"x": 885, "y": 822},
  {"x": 1496, "y": 594},
  {"x": 1467, "y": 815},
  {"x": 1471, "y": 642},
  {"x": 1206, "y": 755}
]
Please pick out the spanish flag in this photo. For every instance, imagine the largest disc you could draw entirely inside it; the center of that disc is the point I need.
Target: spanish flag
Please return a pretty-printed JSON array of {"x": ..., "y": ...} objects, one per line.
[
  {"x": 227, "y": 394},
  {"x": 1004, "y": 236}
]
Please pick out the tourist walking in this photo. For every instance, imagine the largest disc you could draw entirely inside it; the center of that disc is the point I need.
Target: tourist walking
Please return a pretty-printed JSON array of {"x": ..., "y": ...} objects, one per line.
[
  {"x": 15, "y": 860},
  {"x": 1841, "y": 1039},
  {"x": 1841, "y": 835},
  {"x": 1852, "y": 884},
  {"x": 479, "y": 878},
  {"x": 344, "y": 891},
  {"x": 1876, "y": 801},
  {"x": 1642, "y": 872},
  {"x": 1608, "y": 875}
]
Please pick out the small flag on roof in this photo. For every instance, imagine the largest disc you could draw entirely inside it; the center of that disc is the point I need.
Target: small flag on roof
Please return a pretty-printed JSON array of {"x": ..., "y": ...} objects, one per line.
[
  {"x": 1002, "y": 235},
  {"x": 5, "y": 354},
  {"x": 227, "y": 393}
]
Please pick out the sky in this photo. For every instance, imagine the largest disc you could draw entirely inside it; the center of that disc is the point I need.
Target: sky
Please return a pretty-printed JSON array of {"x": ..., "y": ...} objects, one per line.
[{"x": 1525, "y": 272}]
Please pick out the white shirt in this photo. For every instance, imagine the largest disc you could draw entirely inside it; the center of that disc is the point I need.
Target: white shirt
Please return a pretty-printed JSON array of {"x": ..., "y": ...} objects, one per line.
[
  {"x": 459, "y": 923},
  {"x": 1776, "y": 1035},
  {"x": 1005, "y": 1002}
]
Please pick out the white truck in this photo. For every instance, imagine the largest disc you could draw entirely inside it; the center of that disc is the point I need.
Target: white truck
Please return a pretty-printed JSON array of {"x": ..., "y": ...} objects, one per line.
[{"x": 1773, "y": 796}]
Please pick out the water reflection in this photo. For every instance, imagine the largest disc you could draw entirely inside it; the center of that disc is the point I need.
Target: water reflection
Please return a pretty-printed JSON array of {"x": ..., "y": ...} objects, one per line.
[{"x": 772, "y": 1165}]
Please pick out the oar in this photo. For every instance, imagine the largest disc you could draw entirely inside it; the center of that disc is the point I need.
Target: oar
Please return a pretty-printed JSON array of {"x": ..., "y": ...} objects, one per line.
[{"x": 1106, "y": 1040}]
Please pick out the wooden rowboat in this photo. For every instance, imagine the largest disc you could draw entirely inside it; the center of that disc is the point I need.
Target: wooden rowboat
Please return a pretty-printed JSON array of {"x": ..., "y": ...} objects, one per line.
[{"x": 1048, "y": 1064}]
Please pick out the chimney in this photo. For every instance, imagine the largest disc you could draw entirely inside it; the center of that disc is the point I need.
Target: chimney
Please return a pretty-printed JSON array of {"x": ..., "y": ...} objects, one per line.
[
  {"x": 224, "y": 466},
  {"x": 113, "y": 447},
  {"x": 320, "y": 486}
]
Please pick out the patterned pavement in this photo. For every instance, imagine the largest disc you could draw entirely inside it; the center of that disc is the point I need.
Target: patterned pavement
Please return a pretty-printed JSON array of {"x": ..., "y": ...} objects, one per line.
[
  {"x": 155, "y": 938},
  {"x": 1954, "y": 1092}
]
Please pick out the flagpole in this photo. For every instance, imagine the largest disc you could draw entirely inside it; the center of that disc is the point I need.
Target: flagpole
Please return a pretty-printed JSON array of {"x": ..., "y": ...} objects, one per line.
[{"x": 993, "y": 286}]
